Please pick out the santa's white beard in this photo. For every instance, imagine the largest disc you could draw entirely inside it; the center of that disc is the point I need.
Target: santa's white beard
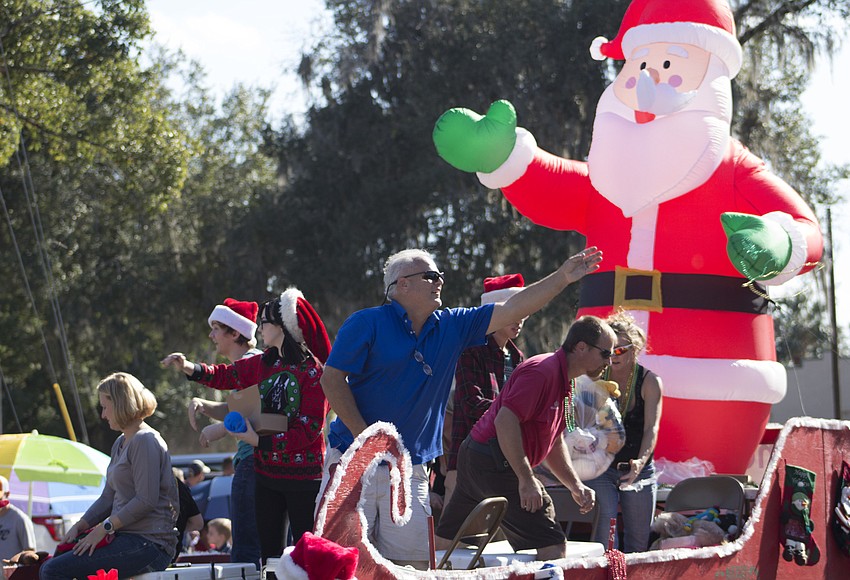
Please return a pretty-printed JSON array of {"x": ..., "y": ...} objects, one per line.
[{"x": 636, "y": 166}]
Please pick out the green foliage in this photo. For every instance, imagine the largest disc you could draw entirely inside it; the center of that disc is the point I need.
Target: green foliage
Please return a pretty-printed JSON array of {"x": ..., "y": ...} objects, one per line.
[
  {"x": 76, "y": 91},
  {"x": 93, "y": 155}
]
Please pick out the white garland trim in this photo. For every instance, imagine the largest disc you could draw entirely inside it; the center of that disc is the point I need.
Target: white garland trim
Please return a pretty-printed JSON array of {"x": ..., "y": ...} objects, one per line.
[{"x": 396, "y": 483}]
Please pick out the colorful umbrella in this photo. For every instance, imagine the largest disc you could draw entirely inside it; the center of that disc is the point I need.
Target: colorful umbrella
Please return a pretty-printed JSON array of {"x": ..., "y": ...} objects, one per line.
[
  {"x": 52, "y": 498},
  {"x": 35, "y": 457}
]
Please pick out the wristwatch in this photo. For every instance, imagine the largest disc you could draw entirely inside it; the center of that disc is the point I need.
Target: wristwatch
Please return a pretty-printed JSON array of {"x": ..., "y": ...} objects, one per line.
[{"x": 108, "y": 527}]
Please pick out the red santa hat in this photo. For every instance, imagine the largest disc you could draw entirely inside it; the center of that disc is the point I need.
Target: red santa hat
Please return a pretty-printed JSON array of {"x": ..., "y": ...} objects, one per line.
[
  {"x": 304, "y": 324},
  {"x": 238, "y": 315},
  {"x": 707, "y": 24},
  {"x": 500, "y": 288},
  {"x": 317, "y": 558}
]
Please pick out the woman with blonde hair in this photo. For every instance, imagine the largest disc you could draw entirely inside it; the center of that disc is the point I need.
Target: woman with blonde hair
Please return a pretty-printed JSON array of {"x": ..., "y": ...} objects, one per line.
[
  {"x": 130, "y": 527},
  {"x": 629, "y": 481}
]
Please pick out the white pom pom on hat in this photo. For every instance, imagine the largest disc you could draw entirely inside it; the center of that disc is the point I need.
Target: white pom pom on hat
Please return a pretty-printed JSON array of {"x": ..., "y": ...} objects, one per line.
[{"x": 304, "y": 324}]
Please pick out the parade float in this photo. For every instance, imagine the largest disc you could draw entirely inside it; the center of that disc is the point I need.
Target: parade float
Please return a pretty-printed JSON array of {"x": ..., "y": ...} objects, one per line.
[{"x": 817, "y": 447}]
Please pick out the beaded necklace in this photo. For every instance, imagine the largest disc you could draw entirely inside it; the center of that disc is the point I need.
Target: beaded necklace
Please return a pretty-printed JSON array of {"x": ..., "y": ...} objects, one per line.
[
  {"x": 570, "y": 408},
  {"x": 625, "y": 398},
  {"x": 630, "y": 389}
]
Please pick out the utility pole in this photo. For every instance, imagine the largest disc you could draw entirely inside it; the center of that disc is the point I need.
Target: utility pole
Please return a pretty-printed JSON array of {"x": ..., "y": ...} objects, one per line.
[{"x": 833, "y": 321}]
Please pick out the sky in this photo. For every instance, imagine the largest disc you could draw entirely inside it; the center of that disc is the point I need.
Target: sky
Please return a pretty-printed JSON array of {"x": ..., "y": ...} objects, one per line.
[
  {"x": 255, "y": 42},
  {"x": 259, "y": 42}
]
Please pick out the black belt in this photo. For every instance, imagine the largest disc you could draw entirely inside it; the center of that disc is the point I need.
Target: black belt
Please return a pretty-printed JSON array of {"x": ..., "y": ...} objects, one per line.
[
  {"x": 490, "y": 449},
  {"x": 654, "y": 291}
]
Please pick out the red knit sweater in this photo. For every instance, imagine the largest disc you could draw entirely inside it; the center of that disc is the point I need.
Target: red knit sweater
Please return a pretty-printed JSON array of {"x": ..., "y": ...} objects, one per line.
[{"x": 291, "y": 390}]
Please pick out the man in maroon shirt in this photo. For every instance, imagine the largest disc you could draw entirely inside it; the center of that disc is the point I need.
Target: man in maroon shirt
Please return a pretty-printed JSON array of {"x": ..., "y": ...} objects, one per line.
[{"x": 521, "y": 429}]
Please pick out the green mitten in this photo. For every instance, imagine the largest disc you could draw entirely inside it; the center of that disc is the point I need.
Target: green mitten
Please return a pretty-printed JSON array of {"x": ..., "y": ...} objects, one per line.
[
  {"x": 758, "y": 248},
  {"x": 471, "y": 143},
  {"x": 797, "y": 525}
]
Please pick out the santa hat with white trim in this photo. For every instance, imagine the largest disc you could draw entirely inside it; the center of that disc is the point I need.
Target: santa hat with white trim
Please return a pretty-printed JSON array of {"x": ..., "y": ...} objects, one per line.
[
  {"x": 317, "y": 558},
  {"x": 304, "y": 324},
  {"x": 708, "y": 24},
  {"x": 238, "y": 315},
  {"x": 500, "y": 288}
]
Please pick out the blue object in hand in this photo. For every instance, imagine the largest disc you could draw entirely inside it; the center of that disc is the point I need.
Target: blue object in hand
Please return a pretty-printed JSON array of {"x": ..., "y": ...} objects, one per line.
[{"x": 235, "y": 422}]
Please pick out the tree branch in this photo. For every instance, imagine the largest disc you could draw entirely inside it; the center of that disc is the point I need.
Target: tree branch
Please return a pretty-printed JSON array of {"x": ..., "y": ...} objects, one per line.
[
  {"x": 58, "y": 134},
  {"x": 772, "y": 19}
]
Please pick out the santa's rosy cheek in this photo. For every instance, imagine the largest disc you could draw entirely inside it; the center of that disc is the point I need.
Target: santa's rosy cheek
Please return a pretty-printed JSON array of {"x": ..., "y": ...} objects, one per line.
[
  {"x": 630, "y": 84},
  {"x": 675, "y": 81}
]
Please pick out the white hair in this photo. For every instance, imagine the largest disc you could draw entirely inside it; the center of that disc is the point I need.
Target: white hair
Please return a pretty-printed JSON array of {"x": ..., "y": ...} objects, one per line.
[{"x": 398, "y": 261}]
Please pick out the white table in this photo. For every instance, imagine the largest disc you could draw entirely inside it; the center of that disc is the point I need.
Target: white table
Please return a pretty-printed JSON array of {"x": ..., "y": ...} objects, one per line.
[{"x": 501, "y": 554}]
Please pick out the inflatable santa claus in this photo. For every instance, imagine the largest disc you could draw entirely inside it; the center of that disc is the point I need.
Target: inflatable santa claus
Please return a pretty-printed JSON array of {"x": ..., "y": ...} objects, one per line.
[{"x": 693, "y": 225}]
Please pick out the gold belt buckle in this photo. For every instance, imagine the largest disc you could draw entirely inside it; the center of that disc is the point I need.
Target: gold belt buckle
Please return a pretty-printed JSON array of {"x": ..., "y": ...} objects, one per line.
[{"x": 625, "y": 277}]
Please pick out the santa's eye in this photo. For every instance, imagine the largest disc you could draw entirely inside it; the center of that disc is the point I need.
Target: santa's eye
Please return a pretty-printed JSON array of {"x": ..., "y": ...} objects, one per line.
[
  {"x": 642, "y": 65},
  {"x": 666, "y": 64}
]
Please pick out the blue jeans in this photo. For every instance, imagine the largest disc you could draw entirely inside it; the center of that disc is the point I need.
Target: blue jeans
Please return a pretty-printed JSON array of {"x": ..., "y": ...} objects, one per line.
[
  {"x": 637, "y": 507},
  {"x": 246, "y": 536},
  {"x": 128, "y": 553}
]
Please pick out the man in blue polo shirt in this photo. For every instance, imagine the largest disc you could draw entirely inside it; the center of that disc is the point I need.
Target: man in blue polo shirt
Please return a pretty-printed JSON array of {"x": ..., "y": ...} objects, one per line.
[{"x": 395, "y": 363}]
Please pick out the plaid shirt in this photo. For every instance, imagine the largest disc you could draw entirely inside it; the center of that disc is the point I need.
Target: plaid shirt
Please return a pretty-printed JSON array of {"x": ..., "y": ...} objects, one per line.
[{"x": 479, "y": 376}]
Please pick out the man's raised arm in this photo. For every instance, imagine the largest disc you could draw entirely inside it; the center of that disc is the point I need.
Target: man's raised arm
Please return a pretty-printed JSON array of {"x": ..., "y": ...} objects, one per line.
[{"x": 534, "y": 297}]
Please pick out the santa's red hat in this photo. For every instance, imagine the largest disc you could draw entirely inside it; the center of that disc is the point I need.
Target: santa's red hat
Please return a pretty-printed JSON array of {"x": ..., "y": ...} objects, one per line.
[
  {"x": 238, "y": 315},
  {"x": 500, "y": 288},
  {"x": 316, "y": 558},
  {"x": 707, "y": 24},
  {"x": 304, "y": 324}
]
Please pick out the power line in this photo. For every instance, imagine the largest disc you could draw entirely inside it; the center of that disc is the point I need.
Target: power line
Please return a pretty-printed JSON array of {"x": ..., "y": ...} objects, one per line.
[{"x": 44, "y": 261}]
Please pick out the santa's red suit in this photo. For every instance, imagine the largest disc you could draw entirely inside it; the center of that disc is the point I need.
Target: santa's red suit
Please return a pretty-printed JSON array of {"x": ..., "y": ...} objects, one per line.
[
  {"x": 653, "y": 207},
  {"x": 711, "y": 339}
]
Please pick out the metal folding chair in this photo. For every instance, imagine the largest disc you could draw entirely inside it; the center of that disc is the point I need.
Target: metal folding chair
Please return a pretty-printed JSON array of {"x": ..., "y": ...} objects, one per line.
[
  {"x": 701, "y": 493},
  {"x": 478, "y": 529},
  {"x": 567, "y": 510}
]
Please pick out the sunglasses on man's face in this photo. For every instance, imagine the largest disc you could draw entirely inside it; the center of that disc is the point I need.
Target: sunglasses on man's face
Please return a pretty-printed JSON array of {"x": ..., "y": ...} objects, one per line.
[
  {"x": 606, "y": 354},
  {"x": 428, "y": 275}
]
